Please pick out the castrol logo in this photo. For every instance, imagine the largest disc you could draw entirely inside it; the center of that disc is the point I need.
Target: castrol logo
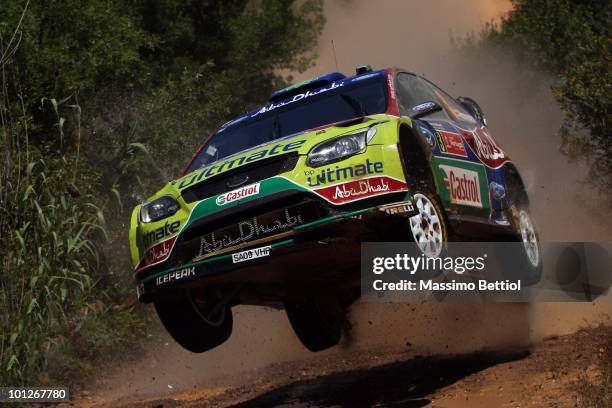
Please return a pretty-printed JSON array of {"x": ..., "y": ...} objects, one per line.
[
  {"x": 463, "y": 185},
  {"x": 240, "y": 193}
]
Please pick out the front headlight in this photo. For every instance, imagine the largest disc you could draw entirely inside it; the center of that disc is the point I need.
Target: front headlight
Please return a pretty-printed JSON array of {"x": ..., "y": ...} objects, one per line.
[
  {"x": 339, "y": 148},
  {"x": 157, "y": 209}
]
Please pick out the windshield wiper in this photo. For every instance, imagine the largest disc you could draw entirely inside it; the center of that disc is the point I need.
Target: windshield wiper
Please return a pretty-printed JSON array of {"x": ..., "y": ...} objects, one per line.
[{"x": 355, "y": 104}]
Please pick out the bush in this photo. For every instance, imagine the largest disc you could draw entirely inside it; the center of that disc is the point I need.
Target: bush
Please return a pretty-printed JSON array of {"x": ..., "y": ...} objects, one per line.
[{"x": 573, "y": 40}]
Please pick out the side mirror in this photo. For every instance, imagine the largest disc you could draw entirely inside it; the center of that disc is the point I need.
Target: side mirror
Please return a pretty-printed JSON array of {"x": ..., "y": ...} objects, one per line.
[
  {"x": 473, "y": 108},
  {"x": 424, "y": 109}
]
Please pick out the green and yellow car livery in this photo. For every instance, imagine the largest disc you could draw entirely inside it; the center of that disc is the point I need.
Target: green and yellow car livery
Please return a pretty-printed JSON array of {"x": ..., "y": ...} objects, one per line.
[
  {"x": 375, "y": 170},
  {"x": 275, "y": 205}
]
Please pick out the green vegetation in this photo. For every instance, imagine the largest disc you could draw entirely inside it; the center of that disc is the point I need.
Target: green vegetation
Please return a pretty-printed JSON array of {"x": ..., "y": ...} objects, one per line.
[
  {"x": 101, "y": 101},
  {"x": 572, "y": 39}
]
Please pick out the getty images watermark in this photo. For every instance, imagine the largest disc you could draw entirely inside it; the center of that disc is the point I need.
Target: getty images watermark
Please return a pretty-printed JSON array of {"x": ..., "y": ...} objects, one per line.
[{"x": 486, "y": 271}]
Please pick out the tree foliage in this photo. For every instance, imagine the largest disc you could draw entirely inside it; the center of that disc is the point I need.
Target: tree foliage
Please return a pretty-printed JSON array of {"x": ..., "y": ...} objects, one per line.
[
  {"x": 573, "y": 40},
  {"x": 100, "y": 101}
]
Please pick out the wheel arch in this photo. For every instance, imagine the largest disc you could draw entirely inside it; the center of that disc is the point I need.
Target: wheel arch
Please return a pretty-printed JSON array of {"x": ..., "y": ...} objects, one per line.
[
  {"x": 515, "y": 186},
  {"x": 415, "y": 155}
]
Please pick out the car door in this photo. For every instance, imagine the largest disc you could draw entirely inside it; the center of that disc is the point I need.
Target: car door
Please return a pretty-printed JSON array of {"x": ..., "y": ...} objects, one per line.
[{"x": 461, "y": 178}]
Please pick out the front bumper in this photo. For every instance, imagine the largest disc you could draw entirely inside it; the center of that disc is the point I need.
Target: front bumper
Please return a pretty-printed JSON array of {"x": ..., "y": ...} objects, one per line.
[{"x": 317, "y": 251}]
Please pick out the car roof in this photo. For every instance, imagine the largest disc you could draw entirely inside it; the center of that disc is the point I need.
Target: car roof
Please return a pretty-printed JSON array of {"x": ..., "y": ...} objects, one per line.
[{"x": 302, "y": 90}]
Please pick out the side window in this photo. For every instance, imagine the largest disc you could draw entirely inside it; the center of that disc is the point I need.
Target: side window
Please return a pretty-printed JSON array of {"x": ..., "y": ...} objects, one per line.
[
  {"x": 453, "y": 108},
  {"x": 412, "y": 91}
]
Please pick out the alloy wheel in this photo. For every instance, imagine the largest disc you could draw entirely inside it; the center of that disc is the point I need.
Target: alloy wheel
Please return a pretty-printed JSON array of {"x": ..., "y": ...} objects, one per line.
[
  {"x": 529, "y": 238},
  {"x": 426, "y": 227}
]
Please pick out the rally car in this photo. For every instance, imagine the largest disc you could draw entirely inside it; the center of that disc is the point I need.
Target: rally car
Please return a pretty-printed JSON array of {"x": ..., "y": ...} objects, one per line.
[{"x": 273, "y": 206}]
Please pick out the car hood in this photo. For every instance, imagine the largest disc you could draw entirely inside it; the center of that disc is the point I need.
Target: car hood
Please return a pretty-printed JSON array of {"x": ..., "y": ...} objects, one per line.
[{"x": 300, "y": 143}]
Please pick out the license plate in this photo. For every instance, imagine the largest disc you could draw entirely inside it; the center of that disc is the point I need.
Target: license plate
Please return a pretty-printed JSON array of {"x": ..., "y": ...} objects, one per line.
[{"x": 251, "y": 254}]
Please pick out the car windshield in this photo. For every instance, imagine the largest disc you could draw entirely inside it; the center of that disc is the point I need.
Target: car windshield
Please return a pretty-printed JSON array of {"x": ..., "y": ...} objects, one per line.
[{"x": 365, "y": 97}]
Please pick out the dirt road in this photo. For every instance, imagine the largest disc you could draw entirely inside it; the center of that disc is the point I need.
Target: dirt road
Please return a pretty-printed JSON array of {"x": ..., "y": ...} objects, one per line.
[
  {"x": 549, "y": 373},
  {"x": 431, "y": 352}
]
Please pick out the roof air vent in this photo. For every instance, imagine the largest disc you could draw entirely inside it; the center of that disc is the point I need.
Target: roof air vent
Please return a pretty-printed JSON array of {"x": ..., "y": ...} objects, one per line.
[{"x": 362, "y": 69}]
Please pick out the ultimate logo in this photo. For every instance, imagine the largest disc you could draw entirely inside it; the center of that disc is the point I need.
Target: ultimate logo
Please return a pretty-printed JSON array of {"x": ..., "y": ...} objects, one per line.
[
  {"x": 161, "y": 232},
  {"x": 330, "y": 175},
  {"x": 220, "y": 167}
]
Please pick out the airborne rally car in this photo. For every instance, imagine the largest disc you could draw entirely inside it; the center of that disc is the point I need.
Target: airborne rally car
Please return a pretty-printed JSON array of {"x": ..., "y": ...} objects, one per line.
[{"x": 274, "y": 205}]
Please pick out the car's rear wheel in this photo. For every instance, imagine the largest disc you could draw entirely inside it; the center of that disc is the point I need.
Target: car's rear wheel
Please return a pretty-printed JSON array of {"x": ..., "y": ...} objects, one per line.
[
  {"x": 527, "y": 264},
  {"x": 529, "y": 237},
  {"x": 316, "y": 324},
  {"x": 196, "y": 327}
]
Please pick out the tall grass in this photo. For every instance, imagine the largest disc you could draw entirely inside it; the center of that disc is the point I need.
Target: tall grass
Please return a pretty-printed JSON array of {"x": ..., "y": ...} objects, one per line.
[
  {"x": 48, "y": 256},
  {"x": 51, "y": 231}
]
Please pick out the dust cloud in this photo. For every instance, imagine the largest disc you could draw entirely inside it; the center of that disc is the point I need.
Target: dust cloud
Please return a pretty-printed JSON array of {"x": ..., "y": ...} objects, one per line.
[
  {"x": 518, "y": 103},
  {"x": 522, "y": 115}
]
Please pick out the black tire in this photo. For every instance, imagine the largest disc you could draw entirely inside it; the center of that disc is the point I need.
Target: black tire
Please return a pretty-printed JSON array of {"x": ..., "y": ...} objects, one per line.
[
  {"x": 187, "y": 327},
  {"x": 524, "y": 265},
  {"x": 317, "y": 328}
]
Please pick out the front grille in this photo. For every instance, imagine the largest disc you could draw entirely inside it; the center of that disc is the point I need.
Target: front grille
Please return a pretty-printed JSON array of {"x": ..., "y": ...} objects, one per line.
[
  {"x": 256, "y": 171},
  {"x": 249, "y": 229}
]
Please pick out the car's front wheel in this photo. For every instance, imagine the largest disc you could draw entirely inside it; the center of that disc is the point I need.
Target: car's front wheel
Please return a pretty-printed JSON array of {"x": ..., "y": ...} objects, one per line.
[
  {"x": 192, "y": 325},
  {"x": 428, "y": 227}
]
